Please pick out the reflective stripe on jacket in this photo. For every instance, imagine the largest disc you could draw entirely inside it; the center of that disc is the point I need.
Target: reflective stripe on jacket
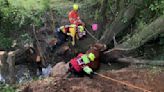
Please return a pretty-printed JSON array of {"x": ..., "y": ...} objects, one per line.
[
  {"x": 74, "y": 17},
  {"x": 77, "y": 65}
]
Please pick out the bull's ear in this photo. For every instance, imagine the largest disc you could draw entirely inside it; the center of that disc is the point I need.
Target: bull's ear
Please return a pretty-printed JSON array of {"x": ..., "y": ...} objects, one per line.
[
  {"x": 104, "y": 47},
  {"x": 32, "y": 50},
  {"x": 91, "y": 45}
]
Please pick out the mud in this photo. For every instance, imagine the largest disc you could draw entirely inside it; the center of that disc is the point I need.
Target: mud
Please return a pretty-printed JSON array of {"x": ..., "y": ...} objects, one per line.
[{"x": 152, "y": 80}]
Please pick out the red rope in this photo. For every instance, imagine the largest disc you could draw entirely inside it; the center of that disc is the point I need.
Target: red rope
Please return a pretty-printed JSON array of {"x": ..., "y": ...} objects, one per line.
[{"x": 124, "y": 83}]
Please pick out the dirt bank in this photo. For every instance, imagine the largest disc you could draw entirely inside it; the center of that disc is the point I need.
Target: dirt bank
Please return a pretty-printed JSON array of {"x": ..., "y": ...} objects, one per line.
[{"x": 152, "y": 80}]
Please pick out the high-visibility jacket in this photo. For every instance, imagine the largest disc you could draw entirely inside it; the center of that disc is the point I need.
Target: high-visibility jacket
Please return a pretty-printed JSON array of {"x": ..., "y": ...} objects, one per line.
[
  {"x": 78, "y": 65},
  {"x": 70, "y": 31},
  {"x": 74, "y": 18}
]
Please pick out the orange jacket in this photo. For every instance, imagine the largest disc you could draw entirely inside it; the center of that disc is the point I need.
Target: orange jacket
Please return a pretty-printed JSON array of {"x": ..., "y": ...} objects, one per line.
[{"x": 74, "y": 17}]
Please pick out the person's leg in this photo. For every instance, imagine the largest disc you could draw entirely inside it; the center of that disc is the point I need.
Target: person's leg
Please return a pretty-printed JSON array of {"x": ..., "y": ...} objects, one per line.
[
  {"x": 90, "y": 75},
  {"x": 71, "y": 70},
  {"x": 77, "y": 74},
  {"x": 39, "y": 68},
  {"x": 61, "y": 40},
  {"x": 74, "y": 72},
  {"x": 81, "y": 74},
  {"x": 33, "y": 68}
]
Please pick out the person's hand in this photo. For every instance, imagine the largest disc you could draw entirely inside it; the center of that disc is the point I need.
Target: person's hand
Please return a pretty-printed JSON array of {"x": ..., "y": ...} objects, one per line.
[
  {"x": 73, "y": 43},
  {"x": 91, "y": 75},
  {"x": 68, "y": 34},
  {"x": 83, "y": 24},
  {"x": 87, "y": 70}
]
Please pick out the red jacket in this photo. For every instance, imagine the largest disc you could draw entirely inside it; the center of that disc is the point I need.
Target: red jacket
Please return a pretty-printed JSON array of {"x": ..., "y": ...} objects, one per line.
[
  {"x": 74, "y": 18},
  {"x": 76, "y": 63}
]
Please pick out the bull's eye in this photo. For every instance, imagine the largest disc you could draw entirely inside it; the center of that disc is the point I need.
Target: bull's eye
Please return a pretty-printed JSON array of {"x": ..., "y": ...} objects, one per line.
[{"x": 31, "y": 51}]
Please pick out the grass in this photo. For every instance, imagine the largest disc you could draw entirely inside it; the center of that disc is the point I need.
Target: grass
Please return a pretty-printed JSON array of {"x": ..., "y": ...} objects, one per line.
[
  {"x": 7, "y": 88},
  {"x": 64, "y": 6}
]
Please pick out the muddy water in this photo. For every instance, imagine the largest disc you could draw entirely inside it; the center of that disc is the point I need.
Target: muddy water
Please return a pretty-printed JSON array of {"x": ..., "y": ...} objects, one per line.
[{"x": 24, "y": 73}]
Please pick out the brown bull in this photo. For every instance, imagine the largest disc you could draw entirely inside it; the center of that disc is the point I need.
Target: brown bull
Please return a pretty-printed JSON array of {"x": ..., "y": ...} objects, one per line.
[{"x": 96, "y": 49}]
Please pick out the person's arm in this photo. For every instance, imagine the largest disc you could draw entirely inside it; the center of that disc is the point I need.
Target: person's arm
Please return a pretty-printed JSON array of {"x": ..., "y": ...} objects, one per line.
[
  {"x": 72, "y": 33},
  {"x": 87, "y": 70},
  {"x": 79, "y": 21},
  {"x": 73, "y": 38},
  {"x": 77, "y": 37}
]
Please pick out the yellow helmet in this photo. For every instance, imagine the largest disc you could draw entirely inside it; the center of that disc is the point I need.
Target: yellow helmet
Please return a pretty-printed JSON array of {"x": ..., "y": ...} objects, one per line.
[
  {"x": 75, "y": 7},
  {"x": 81, "y": 28},
  {"x": 91, "y": 56}
]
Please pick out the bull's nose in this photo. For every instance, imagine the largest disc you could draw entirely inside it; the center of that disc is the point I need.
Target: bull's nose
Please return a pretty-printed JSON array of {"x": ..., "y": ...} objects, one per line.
[{"x": 105, "y": 46}]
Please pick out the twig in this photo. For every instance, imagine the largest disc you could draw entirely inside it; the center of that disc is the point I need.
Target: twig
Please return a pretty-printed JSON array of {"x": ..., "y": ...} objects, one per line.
[
  {"x": 38, "y": 45},
  {"x": 110, "y": 50}
]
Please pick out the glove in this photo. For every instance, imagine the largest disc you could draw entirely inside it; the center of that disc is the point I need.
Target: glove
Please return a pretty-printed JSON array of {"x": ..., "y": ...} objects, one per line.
[
  {"x": 68, "y": 34},
  {"x": 91, "y": 75},
  {"x": 87, "y": 70},
  {"x": 73, "y": 43},
  {"x": 83, "y": 24}
]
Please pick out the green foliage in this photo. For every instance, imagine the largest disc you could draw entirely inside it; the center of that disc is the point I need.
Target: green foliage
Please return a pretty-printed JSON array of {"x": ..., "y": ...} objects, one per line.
[
  {"x": 4, "y": 41},
  {"x": 22, "y": 12},
  {"x": 29, "y": 5},
  {"x": 26, "y": 39},
  {"x": 157, "y": 7},
  {"x": 96, "y": 16},
  {"x": 161, "y": 42},
  {"x": 150, "y": 11},
  {"x": 18, "y": 14},
  {"x": 124, "y": 19},
  {"x": 6, "y": 88}
]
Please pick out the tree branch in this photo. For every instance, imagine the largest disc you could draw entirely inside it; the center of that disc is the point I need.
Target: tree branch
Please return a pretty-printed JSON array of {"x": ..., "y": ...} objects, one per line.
[
  {"x": 140, "y": 61},
  {"x": 141, "y": 36},
  {"x": 121, "y": 22}
]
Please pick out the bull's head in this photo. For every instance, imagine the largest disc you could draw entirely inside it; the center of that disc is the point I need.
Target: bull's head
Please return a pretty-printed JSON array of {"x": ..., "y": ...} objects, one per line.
[{"x": 99, "y": 46}]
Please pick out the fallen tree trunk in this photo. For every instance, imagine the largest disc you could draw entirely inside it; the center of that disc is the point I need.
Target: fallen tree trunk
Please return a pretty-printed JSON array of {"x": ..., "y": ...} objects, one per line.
[
  {"x": 142, "y": 36},
  {"x": 121, "y": 22},
  {"x": 102, "y": 18},
  {"x": 141, "y": 61},
  {"x": 11, "y": 67},
  {"x": 139, "y": 38},
  {"x": 7, "y": 66},
  {"x": 3, "y": 65}
]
